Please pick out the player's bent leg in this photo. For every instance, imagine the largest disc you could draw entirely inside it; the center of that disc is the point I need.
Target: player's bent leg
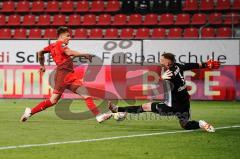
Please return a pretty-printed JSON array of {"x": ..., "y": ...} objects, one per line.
[
  {"x": 92, "y": 106},
  {"x": 184, "y": 121},
  {"x": 41, "y": 106},
  {"x": 192, "y": 124},
  {"x": 82, "y": 91}
]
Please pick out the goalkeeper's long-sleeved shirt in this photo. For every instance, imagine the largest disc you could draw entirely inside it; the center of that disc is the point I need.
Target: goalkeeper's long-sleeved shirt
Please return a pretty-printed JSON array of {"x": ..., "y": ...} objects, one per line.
[{"x": 175, "y": 90}]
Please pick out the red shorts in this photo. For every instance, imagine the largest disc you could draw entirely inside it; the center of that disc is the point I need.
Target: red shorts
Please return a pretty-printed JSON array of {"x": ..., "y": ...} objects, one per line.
[{"x": 65, "y": 79}]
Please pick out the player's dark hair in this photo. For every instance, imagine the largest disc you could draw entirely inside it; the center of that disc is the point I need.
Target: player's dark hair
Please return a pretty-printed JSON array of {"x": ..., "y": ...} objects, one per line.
[
  {"x": 169, "y": 56},
  {"x": 61, "y": 30}
]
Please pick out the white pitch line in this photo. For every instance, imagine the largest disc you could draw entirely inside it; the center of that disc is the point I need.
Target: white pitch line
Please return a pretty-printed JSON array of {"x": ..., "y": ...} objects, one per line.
[{"x": 106, "y": 138}]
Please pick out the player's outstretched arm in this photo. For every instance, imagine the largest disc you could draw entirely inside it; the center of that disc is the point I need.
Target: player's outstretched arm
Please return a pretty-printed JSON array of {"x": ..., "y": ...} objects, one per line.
[
  {"x": 78, "y": 54},
  {"x": 211, "y": 64}
]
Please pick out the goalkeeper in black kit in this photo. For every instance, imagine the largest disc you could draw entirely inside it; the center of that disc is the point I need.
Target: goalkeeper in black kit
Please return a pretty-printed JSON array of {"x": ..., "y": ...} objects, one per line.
[{"x": 176, "y": 96}]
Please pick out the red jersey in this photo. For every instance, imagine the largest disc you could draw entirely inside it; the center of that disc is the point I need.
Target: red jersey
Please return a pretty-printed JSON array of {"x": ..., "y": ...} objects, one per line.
[
  {"x": 65, "y": 77},
  {"x": 57, "y": 51}
]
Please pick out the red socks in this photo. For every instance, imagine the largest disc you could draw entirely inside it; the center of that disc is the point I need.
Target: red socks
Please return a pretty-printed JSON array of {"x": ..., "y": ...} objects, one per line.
[
  {"x": 91, "y": 106},
  {"x": 41, "y": 106},
  {"x": 47, "y": 103}
]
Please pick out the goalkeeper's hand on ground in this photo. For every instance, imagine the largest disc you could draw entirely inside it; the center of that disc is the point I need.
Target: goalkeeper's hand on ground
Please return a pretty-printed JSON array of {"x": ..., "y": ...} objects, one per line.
[{"x": 211, "y": 64}]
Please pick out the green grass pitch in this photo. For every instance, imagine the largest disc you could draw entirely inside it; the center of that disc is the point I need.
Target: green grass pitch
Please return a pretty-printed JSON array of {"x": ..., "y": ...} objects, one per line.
[{"x": 46, "y": 127}]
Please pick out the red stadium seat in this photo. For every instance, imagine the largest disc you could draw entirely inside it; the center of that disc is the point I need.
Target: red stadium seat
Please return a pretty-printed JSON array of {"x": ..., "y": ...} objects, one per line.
[
  {"x": 158, "y": 33},
  {"x": 119, "y": 19},
  {"x": 199, "y": 19},
  {"x": 52, "y": 6},
  {"x": 50, "y": 33},
  {"x": 29, "y": 19},
  {"x": 96, "y": 33},
  {"x": 232, "y": 18},
  {"x": 142, "y": 33},
  {"x": 5, "y": 33},
  {"x": 112, "y": 6},
  {"x": 37, "y": 6},
  {"x": 190, "y": 33},
  {"x": 2, "y": 20},
  {"x": 111, "y": 33},
  {"x": 104, "y": 19},
  {"x": 236, "y": 5},
  {"x": 82, "y": 6},
  {"x": 206, "y": 5},
  {"x": 20, "y": 33},
  {"x": 151, "y": 19},
  {"x": 174, "y": 33},
  {"x": 208, "y": 33},
  {"x": 224, "y": 32},
  {"x": 182, "y": 19},
  {"x": 74, "y": 19},
  {"x": 44, "y": 20},
  {"x": 59, "y": 19},
  {"x": 126, "y": 33},
  {"x": 215, "y": 18},
  {"x": 23, "y": 6},
  {"x": 89, "y": 19},
  {"x": 35, "y": 34},
  {"x": 223, "y": 5},
  {"x": 8, "y": 6},
  {"x": 67, "y": 6},
  {"x": 166, "y": 19},
  {"x": 135, "y": 19},
  {"x": 81, "y": 33},
  {"x": 14, "y": 20},
  {"x": 97, "y": 6},
  {"x": 190, "y": 5}
]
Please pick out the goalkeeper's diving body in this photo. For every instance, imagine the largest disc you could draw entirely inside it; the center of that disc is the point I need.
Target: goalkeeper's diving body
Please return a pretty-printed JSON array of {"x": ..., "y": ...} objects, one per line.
[{"x": 176, "y": 96}]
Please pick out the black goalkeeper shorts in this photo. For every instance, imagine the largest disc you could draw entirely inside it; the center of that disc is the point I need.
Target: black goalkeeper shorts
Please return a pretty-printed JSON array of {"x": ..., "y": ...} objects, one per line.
[{"x": 181, "y": 110}]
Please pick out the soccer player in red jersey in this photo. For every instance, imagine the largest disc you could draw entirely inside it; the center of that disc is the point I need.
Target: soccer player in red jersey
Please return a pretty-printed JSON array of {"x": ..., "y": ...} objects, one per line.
[{"x": 65, "y": 77}]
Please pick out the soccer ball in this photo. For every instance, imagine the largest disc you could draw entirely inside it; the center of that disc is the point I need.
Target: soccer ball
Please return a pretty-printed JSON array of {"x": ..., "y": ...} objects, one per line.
[{"x": 120, "y": 116}]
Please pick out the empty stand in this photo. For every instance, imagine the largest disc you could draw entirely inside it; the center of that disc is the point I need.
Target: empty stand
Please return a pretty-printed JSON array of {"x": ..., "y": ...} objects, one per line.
[
  {"x": 20, "y": 33},
  {"x": 119, "y": 19},
  {"x": 23, "y": 6},
  {"x": 174, "y": 33},
  {"x": 81, "y": 33},
  {"x": 126, "y": 33},
  {"x": 142, "y": 33},
  {"x": 190, "y": 5},
  {"x": 111, "y": 33},
  {"x": 37, "y": 6},
  {"x": 208, "y": 32},
  {"x": 35, "y": 33},
  {"x": 224, "y": 32},
  {"x": 182, "y": 19},
  {"x": 5, "y": 33},
  {"x": 150, "y": 19},
  {"x": 190, "y": 33},
  {"x": 166, "y": 19},
  {"x": 89, "y": 19},
  {"x": 104, "y": 19},
  {"x": 44, "y": 20},
  {"x": 158, "y": 33}
]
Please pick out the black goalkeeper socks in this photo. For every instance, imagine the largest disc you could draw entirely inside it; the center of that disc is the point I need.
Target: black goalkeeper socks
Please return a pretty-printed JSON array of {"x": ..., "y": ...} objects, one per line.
[
  {"x": 191, "y": 125},
  {"x": 131, "y": 109}
]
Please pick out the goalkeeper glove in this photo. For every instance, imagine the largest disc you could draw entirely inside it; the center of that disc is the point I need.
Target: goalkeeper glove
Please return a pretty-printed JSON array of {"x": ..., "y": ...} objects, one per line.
[
  {"x": 211, "y": 64},
  {"x": 167, "y": 75}
]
